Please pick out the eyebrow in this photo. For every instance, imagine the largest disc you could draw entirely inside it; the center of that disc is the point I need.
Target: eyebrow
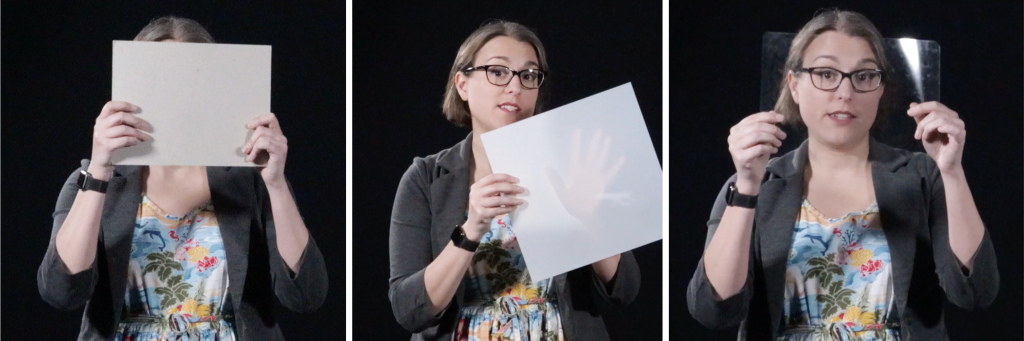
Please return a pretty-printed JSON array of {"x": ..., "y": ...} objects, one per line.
[
  {"x": 529, "y": 63},
  {"x": 862, "y": 61}
]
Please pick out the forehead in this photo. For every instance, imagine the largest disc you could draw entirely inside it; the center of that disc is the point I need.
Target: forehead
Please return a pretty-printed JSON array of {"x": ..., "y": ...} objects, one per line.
[
  {"x": 844, "y": 48},
  {"x": 517, "y": 52}
]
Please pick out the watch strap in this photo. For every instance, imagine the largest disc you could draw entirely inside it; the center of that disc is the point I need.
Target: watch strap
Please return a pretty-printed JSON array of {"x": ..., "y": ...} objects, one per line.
[
  {"x": 734, "y": 198},
  {"x": 88, "y": 183},
  {"x": 461, "y": 241}
]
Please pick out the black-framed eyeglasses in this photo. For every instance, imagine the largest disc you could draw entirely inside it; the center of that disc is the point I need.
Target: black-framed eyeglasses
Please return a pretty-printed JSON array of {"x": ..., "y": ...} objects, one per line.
[
  {"x": 502, "y": 75},
  {"x": 829, "y": 79}
]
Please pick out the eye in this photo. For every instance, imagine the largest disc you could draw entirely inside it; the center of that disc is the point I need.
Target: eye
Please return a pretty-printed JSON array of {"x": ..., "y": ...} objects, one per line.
[
  {"x": 498, "y": 71},
  {"x": 529, "y": 76}
]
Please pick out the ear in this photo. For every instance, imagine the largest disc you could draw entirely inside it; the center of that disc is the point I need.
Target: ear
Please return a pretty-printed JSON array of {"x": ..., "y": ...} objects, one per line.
[
  {"x": 460, "y": 85},
  {"x": 793, "y": 87}
]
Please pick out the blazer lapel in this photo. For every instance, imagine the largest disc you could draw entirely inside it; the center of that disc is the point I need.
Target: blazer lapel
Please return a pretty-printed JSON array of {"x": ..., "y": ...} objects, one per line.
[
  {"x": 778, "y": 206},
  {"x": 232, "y": 191},
  {"x": 120, "y": 209},
  {"x": 449, "y": 192},
  {"x": 898, "y": 195}
]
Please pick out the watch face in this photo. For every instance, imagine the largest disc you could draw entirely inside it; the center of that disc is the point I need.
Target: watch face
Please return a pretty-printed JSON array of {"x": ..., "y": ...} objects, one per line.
[{"x": 730, "y": 192}]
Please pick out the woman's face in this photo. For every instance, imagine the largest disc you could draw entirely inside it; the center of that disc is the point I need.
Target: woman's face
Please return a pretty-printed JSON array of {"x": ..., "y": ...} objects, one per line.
[
  {"x": 494, "y": 106},
  {"x": 841, "y": 117}
]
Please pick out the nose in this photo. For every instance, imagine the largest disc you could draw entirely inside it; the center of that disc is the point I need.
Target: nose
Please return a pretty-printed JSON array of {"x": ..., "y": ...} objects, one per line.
[
  {"x": 845, "y": 90},
  {"x": 514, "y": 86}
]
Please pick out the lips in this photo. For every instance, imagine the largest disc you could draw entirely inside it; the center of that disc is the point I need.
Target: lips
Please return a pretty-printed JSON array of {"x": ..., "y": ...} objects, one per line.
[
  {"x": 509, "y": 107},
  {"x": 842, "y": 115}
]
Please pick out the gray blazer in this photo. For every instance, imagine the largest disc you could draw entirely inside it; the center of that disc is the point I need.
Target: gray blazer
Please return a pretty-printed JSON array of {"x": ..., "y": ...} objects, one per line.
[
  {"x": 912, "y": 207},
  {"x": 255, "y": 268},
  {"x": 432, "y": 199}
]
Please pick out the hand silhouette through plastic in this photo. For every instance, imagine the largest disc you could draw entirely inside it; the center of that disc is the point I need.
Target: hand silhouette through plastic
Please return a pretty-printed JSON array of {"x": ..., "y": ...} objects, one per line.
[{"x": 588, "y": 177}]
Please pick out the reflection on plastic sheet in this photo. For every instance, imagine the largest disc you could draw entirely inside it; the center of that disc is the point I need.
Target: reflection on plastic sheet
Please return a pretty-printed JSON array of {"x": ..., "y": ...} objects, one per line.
[{"x": 914, "y": 77}]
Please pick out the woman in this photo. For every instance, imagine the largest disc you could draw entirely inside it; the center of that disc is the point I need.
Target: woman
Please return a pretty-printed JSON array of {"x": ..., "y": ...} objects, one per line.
[
  {"x": 179, "y": 252},
  {"x": 844, "y": 238},
  {"x": 442, "y": 284}
]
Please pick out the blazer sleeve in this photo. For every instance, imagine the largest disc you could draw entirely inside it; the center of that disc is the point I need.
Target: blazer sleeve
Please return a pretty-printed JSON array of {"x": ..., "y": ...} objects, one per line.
[
  {"x": 410, "y": 250},
  {"x": 306, "y": 289},
  {"x": 624, "y": 286},
  {"x": 706, "y": 305},
  {"x": 57, "y": 285},
  {"x": 974, "y": 289}
]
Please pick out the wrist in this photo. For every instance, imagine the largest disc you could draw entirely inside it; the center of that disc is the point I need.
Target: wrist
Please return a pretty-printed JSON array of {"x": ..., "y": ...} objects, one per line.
[
  {"x": 956, "y": 172},
  {"x": 472, "y": 232},
  {"x": 747, "y": 188},
  {"x": 100, "y": 172}
]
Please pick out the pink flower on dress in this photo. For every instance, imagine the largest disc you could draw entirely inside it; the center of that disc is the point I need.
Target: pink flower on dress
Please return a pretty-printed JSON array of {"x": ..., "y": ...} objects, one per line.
[
  {"x": 206, "y": 263},
  {"x": 870, "y": 267}
]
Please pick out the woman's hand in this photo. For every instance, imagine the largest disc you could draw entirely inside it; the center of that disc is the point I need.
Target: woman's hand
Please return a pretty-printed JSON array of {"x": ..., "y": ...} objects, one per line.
[
  {"x": 486, "y": 202},
  {"x": 751, "y": 142},
  {"x": 116, "y": 127},
  {"x": 267, "y": 136},
  {"x": 942, "y": 132}
]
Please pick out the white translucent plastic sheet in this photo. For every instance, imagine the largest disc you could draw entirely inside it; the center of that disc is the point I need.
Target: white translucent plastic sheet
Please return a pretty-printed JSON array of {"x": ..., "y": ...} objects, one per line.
[
  {"x": 914, "y": 77},
  {"x": 197, "y": 97},
  {"x": 592, "y": 177}
]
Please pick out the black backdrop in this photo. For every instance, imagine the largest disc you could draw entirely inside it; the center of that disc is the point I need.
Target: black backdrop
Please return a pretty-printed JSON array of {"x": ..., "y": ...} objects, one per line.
[
  {"x": 402, "y": 55},
  {"x": 714, "y": 82},
  {"x": 56, "y": 77}
]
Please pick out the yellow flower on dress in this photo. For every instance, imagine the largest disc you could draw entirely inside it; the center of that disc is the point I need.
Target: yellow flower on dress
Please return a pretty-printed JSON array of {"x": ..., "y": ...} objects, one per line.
[
  {"x": 523, "y": 292},
  {"x": 867, "y": 318},
  {"x": 859, "y": 257},
  {"x": 197, "y": 254},
  {"x": 203, "y": 310},
  {"x": 172, "y": 310},
  {"x": 189, "y": 307},
  {"x": 852, "y": 314}
]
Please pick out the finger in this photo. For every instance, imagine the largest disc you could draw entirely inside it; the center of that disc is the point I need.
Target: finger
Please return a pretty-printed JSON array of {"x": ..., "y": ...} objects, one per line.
[
  {"x": 595, "y": 143},
  {"x": 497, "y": 211},
  {"x": 615, "y": 168},
  {"x": 770, "y": 117},
  {"x": 261, "y": 144},
  {"x": 499, "y": 188},
  {"x": 260, "y": 132},
  {"x": 602, "y": 155},
  {"x": 491, "y": 202},
  {"x": 757, "y": 151},
  {"x": 924, "y": 121},
  {"x": 113, "y": 107},
  {"x": 265, "y": 120},
  {"x": 124, "y": 141},
  {"x": 954, "y": 133},
  {"x": 926, "y": 108},
  {"x": 763, "y": 127},
  {"x": 930, "y": 130},
  {"x": 123, "y": 130},
  {"x": 577, "y": 147},
  {"x": 496, "y": 177},
  {"x": 125, "y": 118},
  {"x": 758, "y": 138}
]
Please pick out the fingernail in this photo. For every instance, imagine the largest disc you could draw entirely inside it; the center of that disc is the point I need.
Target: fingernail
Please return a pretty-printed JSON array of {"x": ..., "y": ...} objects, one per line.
[{"x": 515, "y": 179}]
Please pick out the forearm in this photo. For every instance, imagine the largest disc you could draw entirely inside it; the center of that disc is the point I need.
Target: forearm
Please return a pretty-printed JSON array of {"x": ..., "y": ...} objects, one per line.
[
  {"x": 966, "y": 229},
  {"x": 292, "y": 235},
  {"x": 443, "y": 275},
  {"x": 78, "y": 237},
  {"x": 727, "y": 256}
]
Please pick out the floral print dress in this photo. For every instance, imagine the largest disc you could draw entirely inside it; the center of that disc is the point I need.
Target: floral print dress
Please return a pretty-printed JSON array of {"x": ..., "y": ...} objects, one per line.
[
  {"x": 839, "y": 279},
  {"x": 502, "y": 302},
  {"x": 177, "y": 278}
]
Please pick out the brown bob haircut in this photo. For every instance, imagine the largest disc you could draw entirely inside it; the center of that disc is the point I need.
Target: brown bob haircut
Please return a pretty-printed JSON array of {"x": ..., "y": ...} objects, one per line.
[{"x": 457, "y": 110}]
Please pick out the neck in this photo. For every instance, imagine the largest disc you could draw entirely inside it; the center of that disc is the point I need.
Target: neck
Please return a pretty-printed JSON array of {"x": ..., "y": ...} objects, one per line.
[
  {"x": 832, "y": 159},
  {"x": 174, "y": 172}
]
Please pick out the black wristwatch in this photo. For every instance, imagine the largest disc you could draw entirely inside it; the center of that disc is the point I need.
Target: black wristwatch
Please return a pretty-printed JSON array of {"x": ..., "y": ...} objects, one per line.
[
  {"x": 735, "y": 198},
  {"x": 460, "y": 240},
  {"x": 88, "y": 183}
]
